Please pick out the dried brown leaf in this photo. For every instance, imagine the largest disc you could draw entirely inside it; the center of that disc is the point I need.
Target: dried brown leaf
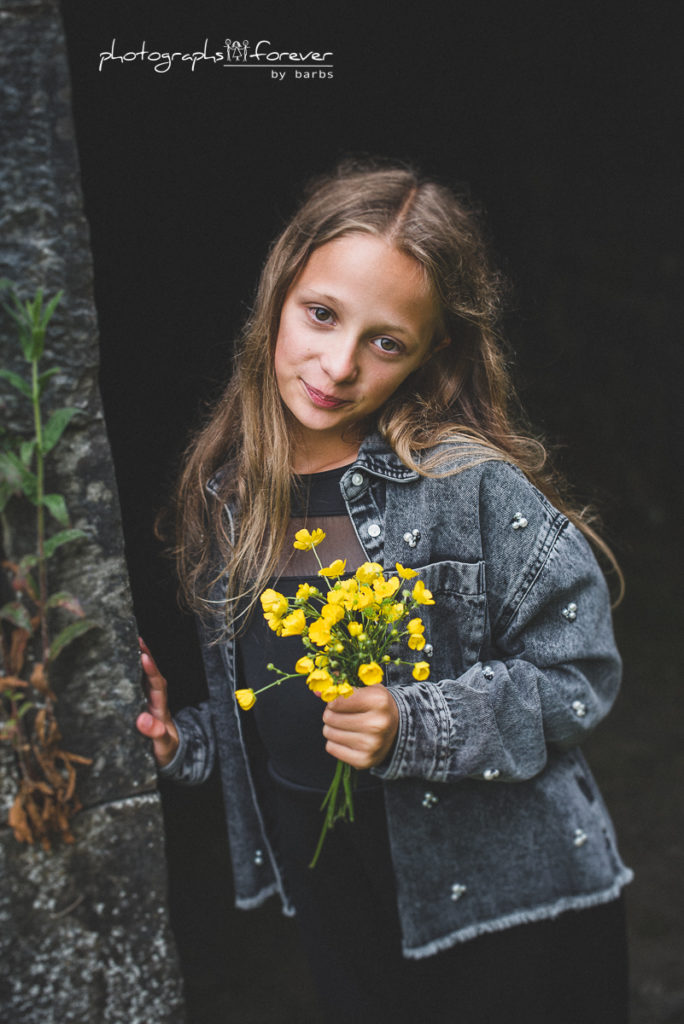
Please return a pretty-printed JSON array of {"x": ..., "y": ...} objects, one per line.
[
  {"x": 76, "y": 758},
  {"x": 11, "y": 683},
  {"x": 32, "y": 812},
  {"x": 18, "y": 820},
  {"x": 39, "y": 680},
  {"x": 71, "y": 785},
  {"x": 17, "y": 651}
]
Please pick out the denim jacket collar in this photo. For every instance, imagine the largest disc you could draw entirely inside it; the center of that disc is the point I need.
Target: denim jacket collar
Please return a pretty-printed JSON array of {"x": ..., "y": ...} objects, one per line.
[{"x": 377, "y": 458}]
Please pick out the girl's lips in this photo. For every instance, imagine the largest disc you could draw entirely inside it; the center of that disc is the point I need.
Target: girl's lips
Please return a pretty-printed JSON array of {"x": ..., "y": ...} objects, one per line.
[{"x": 321, "y": 400}]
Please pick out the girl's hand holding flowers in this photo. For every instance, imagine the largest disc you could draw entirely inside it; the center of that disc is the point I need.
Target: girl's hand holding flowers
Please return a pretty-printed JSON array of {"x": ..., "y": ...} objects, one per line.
[
  {"x": 350, "y": 631},
  {"x": 361, "y": 729}
]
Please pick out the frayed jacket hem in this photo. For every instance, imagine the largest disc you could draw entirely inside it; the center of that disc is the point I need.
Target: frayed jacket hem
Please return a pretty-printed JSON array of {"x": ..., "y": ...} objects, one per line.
[
  {"x": 543, "y": 913},
  {"x": 252, "y": 902}
]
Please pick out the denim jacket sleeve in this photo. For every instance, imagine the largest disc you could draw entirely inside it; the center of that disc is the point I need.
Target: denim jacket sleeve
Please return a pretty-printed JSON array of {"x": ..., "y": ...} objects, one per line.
[
  {"x": 551, "y": 670},
  {"x": 193, "y": 761}
]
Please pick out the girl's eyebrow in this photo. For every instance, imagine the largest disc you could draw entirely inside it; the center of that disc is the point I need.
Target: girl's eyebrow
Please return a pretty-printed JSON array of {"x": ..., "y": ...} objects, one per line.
[{"x": 321, "y": 296}]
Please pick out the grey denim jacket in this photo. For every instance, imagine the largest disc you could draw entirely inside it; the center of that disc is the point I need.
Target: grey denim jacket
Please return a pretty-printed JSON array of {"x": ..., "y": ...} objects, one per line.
[{"x": 494, "y": 818}]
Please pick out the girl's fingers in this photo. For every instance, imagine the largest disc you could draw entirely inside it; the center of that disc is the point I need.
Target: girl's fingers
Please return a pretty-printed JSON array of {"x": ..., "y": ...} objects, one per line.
[
  {"x": 152, "y": 673},
  {"x": 163, "y": 735},
  {"x": 150, "y": 726},
  {"x": 156, "y": 723},
  {"x": 356, "y": 758},
  {"x": 347, "y": 738},
  {"x": 361, "y": 729}
]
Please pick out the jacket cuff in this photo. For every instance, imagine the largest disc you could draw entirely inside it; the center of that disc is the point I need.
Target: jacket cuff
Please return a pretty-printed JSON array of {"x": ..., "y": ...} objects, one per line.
[
  {"x": 419, "y": 747},
  {"x": 174, "y": 769}
]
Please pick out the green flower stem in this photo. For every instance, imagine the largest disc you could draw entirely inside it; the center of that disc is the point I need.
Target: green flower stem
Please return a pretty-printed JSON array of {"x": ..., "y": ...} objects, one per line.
[
  {"x": 320, "y": 566},
  {"x": 277, "y": 682},
  {"x": 336, "y": 805}
]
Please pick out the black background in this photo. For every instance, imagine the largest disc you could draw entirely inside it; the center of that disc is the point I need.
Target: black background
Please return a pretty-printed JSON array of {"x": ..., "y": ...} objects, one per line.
[{"x": 564, "y": 122}]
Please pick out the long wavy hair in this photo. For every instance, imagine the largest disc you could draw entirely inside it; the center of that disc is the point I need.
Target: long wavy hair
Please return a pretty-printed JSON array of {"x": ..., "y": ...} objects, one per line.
[{"x": 461, "y": 398}]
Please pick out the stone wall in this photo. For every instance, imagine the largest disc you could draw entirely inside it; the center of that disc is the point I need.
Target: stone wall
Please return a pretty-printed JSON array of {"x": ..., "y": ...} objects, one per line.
[{"x": 84, "y": 929}]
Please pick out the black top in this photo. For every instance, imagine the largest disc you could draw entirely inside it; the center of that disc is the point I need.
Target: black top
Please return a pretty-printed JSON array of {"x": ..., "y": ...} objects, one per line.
[{"x": 289, "y": 717}]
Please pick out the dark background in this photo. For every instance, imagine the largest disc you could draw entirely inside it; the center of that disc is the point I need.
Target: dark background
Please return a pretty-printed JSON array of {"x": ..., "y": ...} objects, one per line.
[{"x": 565, "y": 124}]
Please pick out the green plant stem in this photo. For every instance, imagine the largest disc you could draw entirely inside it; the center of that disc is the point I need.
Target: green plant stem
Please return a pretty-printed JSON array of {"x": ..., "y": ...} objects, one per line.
[{"x": 40, "y": 517}]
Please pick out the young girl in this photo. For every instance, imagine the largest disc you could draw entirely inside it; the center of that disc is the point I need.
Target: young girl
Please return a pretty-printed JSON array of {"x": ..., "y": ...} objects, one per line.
[{"x": 480, "y": 880}]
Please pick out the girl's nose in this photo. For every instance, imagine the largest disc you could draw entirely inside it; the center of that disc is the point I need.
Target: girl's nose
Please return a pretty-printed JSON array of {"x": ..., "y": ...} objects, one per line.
[{"x": 340, "y": 360}]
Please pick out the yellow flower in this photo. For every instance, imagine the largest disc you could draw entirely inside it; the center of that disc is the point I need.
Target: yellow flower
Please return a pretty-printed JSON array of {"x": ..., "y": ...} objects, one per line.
[
  {"x": 321, "y": 660},
  {"x": 329, "y": 693},
  {"x": 274, "y": 622},
  {"x": 294, "y": 624},
  {"x": 416, "y": 642},
  {"x": 343, "y": 593},
  {"x": 245, "y": 698},
  {"x": 355, "y": 628},
  {"x": 304, "y": 664},
  {"x": 370, "y": 673},
  {"x": 416, "y": 626},
  {"x": 421, "y": 595},
  {"x": 364, "y": 598},
  {"x": 304, "y": 540},
  {"x": 393, "y": 612},
  {"x": 335, "y": 569},
  {"x": 304, "y": 591},
  {"x": 406, "y": 574},
  {"x": 273, "y": 602},
  {"x": 319, "y": 632},
  {"x": 368, "y": 572},
  {"x": 421, "y": 670},
  {"x": 332, "y": 613},
  {"x": 344, "y": 690},
  {"x": 386, "y": 588},
  {"x": 318, "y": 679}
]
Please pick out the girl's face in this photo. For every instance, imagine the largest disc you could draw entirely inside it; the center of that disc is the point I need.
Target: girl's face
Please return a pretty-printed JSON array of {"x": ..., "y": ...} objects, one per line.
[{"x": 358, "y": 319}]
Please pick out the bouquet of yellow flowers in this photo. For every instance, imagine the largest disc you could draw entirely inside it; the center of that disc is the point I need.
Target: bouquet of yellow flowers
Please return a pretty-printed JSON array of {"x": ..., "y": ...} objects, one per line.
[{"x": 348, "y": 632}]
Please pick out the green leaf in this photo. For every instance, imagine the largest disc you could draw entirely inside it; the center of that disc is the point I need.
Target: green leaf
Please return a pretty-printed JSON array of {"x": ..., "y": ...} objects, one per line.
[
  {"x": 55, "y": 427},
  {"x": 63, "y": 599},
  {"x": 16, "y": 613},
  {"x": 26, "y": 449},
  {"x": 6, "y": 493},
  {"x": 51, "y": 307},
  {"x": 68, "y": 635},
  {"x": 45, "y": 377},
  {"x": 34, "y": 320},
  {"x": 13, "y": 469},
  {"x": 63, "y": 537},
  {"x": 9, "y": 474},
  {"x": 17, "y": 382},
  {"x": 56, "y": 505}
]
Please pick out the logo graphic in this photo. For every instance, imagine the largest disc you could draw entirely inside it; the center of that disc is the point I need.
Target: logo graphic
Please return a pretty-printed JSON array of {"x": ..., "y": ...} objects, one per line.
[{"x": 236, "y": 53}]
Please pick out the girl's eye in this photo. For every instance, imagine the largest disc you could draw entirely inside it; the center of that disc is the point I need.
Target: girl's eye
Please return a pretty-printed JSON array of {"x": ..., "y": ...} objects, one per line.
[
  {"x": 387, "y": 344},
  {"x": 321, "y": 315}
]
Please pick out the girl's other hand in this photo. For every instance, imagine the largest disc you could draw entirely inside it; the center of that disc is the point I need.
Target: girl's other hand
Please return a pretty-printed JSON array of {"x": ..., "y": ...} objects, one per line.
[
  {"x": 156, "y": 723},
  {"x": 361, "y": 729}
]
